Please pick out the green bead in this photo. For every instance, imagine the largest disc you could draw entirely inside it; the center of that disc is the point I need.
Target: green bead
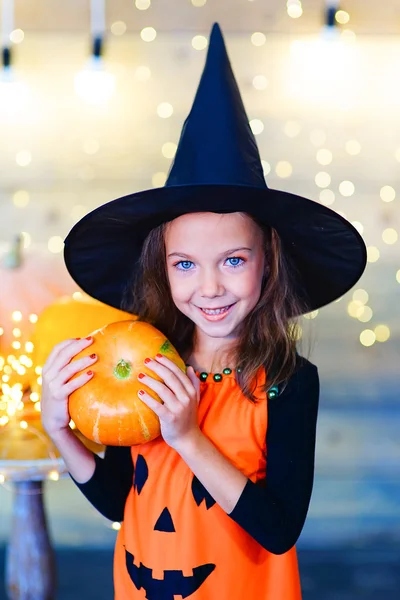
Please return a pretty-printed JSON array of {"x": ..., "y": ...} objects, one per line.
[
  {"x": 273, "y": 392},
  {"x": 203, "y": 376},
  {"x": 227, "y": 371},
  {"x": 217, "y": 377}
]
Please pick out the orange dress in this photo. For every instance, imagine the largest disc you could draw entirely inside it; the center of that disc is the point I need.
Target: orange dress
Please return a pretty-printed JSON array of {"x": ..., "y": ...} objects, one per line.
[{"x": 175, "y": 541}]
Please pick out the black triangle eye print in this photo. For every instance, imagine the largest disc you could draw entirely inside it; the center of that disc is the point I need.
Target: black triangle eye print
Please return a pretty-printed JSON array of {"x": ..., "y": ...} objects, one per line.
[
  {"x": 141, "y": 473},
  {"x": 165, "y": 522},
  {"x": 200, "y": 493}
]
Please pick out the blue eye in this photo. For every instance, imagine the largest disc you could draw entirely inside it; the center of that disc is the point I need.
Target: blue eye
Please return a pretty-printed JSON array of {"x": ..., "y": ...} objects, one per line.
[
  {"x": 184, "y": 265},
  {"x": 236, "y": 261}
]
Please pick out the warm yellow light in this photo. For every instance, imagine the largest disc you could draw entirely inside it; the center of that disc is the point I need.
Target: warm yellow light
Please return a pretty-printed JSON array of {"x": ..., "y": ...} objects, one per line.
[
  {"x": 2, "y": 478},
  {"x": 72, "y": 424},
  {"x": 169, "y": 149},
  {"x": 353, "y": 147},
  {"x": 4, "y": 420},
  {"x": 398, "y": 276},
  {"x": 142, "y": 4},
  {"x": 53, "y": 475},
  {"x": 382, "y": 333},
  {"x": 118, "y": 28},
  {"x": 29, "y": 347},
  {"x": 199, "y": 42},
  {"x": 16, "y": 345},
  {"x": 116, "y": 526},
  {"x": 23, "y": 158},
  {"x": 39, "y": 381},
  {"x": 148, "y": 34},
  {"x": 373, "y": 254},
  {"x": 159, "y": 179},
  {"x": 387, "y": 193},
  {"x": 324, "y": 156},
  {"x": 258, "y": 39},
  {"x": 322, "y": 179},
  {"x": 326, "y": 197},
  {"x": 1, "y": 331},
  {"x": 360, "y": 295},
  {"x": 16, "y": 316},
  {"x": 17, "y": 36},
  {"x": 37, "y": 406},
  {"x": 23, "y": 425},
  {"x": 38, "y": 370},
  {"x": 365, "y": 314},
  {"x": 292, "y": 129},
  {"x": 33, "y": 318},
  {"x": 390, "y": 236},
  {"x": 21, "y": 198},
  {"x": 198, "y": 3},
  {"x": 260, "y": 82},
  {"x": 342, "y": 17},
  {"x": 355, "y": 308},
  {"x": 17, "y": 332},
  {"x": 55, "y": 244},
  {"x": 34, "y": 396},
  {"x": 311, "y": 315},
  {"x": 283, "y": 169},
  {"x": 367, "y": 337},
  {"x": 346, "y": 188},
  {"x": 257, "y": 126},
  {"x": 294, "y": 11},
  {"x": 165, "y": 110}
]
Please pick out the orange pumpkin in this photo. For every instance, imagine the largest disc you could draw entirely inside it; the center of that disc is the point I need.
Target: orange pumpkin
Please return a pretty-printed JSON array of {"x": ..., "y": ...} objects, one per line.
[
  {"x": 107, "y": 408},
  {"x": 70, "y": 317}
]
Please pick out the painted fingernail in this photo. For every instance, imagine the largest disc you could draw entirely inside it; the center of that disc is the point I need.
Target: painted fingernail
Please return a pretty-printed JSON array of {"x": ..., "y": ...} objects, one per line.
[
  {"x": 147, "y": 360},
  {"x": 77, "y": 338},
  {"x": 89, "y": 373},
  {"x": 141, "y": 392},
  {"x": 141, "y": 375},
  {"x": 159, "y": 355},
  {"x": 89, "y": 337},
  {"x": 92, "y": 356}
]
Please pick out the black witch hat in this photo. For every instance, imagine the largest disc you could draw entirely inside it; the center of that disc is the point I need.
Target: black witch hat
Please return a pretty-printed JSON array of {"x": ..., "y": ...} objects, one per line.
[{"x": 217, "y": 168}]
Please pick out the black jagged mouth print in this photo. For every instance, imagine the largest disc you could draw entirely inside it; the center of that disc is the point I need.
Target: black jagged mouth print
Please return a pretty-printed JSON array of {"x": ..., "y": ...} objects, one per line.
[{"x": 174, "y": 582}]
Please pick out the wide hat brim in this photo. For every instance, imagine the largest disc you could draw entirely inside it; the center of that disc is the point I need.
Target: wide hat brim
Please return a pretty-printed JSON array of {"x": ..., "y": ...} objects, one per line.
[{"x": 102, "y": 250}]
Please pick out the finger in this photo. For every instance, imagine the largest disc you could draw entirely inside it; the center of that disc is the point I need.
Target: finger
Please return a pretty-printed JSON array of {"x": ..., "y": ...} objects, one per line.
[
  {"x": 55, "y": 352},
  {"x": 166, "y": 394},
  {"x": 67, "y": 353},
  {"x": 75, "y": 367},
  {"x": 191, "y": 373},
  {"x": 171, "y": 373},
  {"x": 76, "y": 383},
  {"x": 160, "y": 409}
]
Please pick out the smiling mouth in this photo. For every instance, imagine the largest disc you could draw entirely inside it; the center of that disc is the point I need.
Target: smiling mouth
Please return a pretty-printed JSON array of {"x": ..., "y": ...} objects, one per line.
[{"x": 216, "y": 311}]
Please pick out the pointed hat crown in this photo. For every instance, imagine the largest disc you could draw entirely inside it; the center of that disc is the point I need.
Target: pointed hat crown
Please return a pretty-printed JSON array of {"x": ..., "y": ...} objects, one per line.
[{"x": 217, "y": 145}]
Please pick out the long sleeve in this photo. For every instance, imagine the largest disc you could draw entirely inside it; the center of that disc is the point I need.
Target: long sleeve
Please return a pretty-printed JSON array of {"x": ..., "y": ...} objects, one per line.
[
  {"x": 274, "y": 510},
  {"x": 108, "y": 488}
]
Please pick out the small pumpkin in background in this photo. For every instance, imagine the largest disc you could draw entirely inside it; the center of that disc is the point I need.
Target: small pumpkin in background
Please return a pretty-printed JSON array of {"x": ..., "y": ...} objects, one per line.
[
  {"x": 71, "y": 317},
  {"x": 107, "y": 409}
]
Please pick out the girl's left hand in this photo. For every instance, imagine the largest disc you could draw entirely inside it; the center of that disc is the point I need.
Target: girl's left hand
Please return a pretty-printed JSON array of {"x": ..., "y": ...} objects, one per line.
[{"x": 180, "y": 394}]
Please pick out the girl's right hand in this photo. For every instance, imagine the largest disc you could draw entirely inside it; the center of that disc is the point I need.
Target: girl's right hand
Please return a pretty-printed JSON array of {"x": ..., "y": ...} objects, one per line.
[{"x": 56, "y": 384}]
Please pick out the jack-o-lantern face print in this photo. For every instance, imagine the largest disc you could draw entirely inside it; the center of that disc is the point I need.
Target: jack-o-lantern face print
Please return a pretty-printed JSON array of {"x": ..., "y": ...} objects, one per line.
[{"x": 167, "y": 584}]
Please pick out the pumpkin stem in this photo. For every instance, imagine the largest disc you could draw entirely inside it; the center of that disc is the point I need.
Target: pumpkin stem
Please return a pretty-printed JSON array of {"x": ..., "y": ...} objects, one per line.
[
  {"x": 123, "y": 369},
  {"x": 13, "y": 258}
]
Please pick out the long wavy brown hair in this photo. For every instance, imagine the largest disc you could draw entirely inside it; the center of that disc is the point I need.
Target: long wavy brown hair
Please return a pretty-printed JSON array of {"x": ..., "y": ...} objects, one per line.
[{"x": 269, "y": 333}]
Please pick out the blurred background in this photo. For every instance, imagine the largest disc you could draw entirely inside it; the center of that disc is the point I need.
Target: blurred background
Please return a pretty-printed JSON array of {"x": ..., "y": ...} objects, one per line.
[{"x": 93, "y": 96}]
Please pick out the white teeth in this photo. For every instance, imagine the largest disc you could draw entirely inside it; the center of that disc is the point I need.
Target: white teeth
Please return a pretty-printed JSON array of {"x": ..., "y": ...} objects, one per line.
[{"x": 216, "y": 311}]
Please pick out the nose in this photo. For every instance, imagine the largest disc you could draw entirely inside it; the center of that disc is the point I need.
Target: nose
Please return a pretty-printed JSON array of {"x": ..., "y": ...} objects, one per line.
[{"x": 211, "y": 284}]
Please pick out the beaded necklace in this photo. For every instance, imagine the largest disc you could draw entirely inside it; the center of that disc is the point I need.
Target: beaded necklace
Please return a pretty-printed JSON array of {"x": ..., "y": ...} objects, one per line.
[{"x": 273, "y": 392}]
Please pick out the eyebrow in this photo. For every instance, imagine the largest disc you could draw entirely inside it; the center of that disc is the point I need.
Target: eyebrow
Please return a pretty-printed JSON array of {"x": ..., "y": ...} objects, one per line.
[{"x": 232, "y": 251}]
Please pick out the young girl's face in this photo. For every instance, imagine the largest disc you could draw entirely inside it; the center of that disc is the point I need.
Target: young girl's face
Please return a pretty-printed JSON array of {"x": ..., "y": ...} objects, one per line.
[{"x": 215, "y": 265}]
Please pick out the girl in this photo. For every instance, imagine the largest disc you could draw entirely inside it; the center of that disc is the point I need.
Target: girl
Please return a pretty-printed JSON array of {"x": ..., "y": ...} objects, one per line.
[{"x": 222, "y": 265}]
